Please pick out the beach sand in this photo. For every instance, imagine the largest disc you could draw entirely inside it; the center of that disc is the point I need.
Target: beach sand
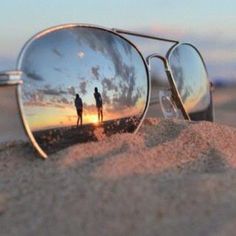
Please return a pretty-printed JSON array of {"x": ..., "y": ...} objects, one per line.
[
  {"x": 170, "y": 178},
  {"x": 225, "y": 105}
]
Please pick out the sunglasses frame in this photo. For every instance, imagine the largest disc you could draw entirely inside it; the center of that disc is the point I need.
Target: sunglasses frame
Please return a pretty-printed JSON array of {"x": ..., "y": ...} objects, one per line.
[
  {"x": 210, "y": 84},
  {"x": 12, "y": 78}
]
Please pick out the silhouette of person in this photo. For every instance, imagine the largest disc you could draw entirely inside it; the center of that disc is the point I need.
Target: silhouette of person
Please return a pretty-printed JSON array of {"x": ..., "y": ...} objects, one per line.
[
  {"x": 79, "y": 109},
  {"x": 98, "y": 99}
]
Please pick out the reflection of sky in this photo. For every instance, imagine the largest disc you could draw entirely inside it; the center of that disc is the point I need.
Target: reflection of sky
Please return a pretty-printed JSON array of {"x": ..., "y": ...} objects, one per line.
[
  {"x": 69, "y": 62},
  {"x": 191, "y": 78}
]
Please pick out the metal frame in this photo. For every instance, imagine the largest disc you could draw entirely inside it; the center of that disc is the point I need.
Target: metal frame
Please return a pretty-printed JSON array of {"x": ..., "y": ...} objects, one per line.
[
  {"x": 168, "y": 55},
  {"x": 175, "y": 93},
  {"x": 56, "y": 28},
  {"x": 10, "y": 78},
  {"x": 120, "y": 31},
  {"x": 13, "y": 77}
]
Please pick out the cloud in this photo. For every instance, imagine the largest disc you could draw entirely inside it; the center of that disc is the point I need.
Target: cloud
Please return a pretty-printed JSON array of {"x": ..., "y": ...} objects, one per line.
[
  {"x": 105, "y": 98},
  {"x": 108, "y": 45},
  {"x": 120, "y": 54},
  {"x": 58, "y": 69},
  {"x": 57, "y": 52},
  {"x": 71, "y": 90},
  {"x": 126, "y": 98},
  {"x": 108, "y": 84},
  {"x": 124, "y": 93},
  {"x": 47, "y": 96},
  {"x": 82, "y": 87},
  {"x": 64, "y": 100},
  {"x": 34, "y": 76},
  {"x": 40, "y": 100},
  {"x": 52, "y": 91},
  {"x": 129, "y": 93},
  {"x": 95, "y": 72}
]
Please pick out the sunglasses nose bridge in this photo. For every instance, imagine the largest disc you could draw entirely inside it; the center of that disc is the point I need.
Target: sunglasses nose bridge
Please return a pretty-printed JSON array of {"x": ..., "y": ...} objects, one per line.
[
  {"x": 158, "y": 56},
  {"x": 175, "y": 94},
  {"x": 169, "y": 104}
]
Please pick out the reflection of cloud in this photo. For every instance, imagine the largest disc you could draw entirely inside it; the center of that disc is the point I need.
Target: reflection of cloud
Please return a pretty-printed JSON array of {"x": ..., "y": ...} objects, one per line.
[
  {"x": 57, "y": 52},
  {"x": 34, "y": 76},
  {"x": 125, "y": 93},
  {"x": 121, "y": 90},
  {"x": 71, "y": 91},
  {"x": 58, "y": 69},
  {"x": 126, "y": 99},
  {"x": 128, "y": 95},
  {"x": 64, "y": 100},
  {"x": 107, "y": 44},
  {"x": 32, "y": 97},
  {"x": 81, "y": 78},
  {"x": 95, "y": 72},
  {"x": 108, "y": 84},
  {"x": 48, "y": 96},
  {"x": 52, "y": 91},
  {"x": 40, "y": 100},
  {"x": 82, "y": 87},
  {"x": 105, "y": 97}
]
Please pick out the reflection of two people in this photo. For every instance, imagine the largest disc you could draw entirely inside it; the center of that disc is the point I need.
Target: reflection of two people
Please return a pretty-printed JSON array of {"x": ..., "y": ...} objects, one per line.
[
  {"x": 79, "y": 107},
  {"x": 98, "y": 99}
]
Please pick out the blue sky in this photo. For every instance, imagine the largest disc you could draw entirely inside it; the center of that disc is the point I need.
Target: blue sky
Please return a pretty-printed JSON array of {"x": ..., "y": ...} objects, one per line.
[{"x": 210, "y": 24}]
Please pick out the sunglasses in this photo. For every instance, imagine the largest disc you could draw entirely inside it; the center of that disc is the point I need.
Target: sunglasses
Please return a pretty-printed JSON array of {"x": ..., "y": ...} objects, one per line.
[{"x": 75, "y": 82}]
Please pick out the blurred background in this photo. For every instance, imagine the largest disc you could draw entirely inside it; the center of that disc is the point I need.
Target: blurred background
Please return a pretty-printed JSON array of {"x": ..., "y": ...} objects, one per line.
[{"x": 209, "y": 25}]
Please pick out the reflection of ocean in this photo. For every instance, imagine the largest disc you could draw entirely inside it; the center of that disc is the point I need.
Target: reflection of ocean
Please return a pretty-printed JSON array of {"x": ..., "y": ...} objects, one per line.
[{"x": 52, "y": 140}]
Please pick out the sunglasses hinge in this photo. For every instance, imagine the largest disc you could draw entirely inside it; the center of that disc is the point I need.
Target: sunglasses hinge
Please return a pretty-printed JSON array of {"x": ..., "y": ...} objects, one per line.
[{"x": 10, "y": 78}]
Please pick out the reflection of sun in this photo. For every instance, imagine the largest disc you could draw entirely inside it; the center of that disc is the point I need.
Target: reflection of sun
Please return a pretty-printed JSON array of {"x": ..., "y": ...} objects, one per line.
[
  {"x": 80, "y": 54},
  {"x": 92, "y": 119}
]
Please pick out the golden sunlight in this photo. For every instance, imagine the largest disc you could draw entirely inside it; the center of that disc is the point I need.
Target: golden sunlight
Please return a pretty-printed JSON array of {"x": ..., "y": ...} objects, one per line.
[{"x": 91, "y": 119}]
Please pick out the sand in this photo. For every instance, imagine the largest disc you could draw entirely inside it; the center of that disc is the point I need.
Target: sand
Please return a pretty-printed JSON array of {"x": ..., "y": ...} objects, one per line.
[
  {"x": 225, "y": 105},
  {"x": 171, "y": 178}
]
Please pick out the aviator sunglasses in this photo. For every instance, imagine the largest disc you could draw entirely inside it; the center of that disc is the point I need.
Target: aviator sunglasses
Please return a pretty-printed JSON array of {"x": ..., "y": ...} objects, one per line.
[{"x": 73, "y": 81}]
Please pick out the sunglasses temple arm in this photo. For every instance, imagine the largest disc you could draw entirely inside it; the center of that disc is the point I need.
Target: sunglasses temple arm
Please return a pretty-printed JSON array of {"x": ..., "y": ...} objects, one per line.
[
  {"x": 120, "y": 31},
  {"x": 11, "y": 125},
  {"x": 176, "y": 95},
  {"x": 8, "y": 78}
]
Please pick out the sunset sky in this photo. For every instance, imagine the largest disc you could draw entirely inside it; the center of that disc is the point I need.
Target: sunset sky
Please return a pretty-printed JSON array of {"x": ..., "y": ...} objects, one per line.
[
  {"x": 209, "y": 24},
  {"x": 74, "y": 60}
]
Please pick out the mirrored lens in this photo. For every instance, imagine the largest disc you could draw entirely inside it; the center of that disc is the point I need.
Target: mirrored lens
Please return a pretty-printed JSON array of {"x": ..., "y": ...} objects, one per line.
[
  {"x": 81, "y": 80},
  {"x": 192, "y": 83}
]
